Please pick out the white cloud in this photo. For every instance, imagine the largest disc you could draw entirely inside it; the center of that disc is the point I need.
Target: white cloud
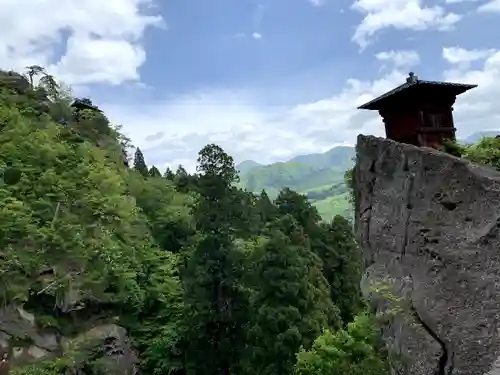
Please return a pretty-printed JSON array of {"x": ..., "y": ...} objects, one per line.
[
  {"x": 491, "y": 6},
  {"x": 254, "y": 35},
  {"x": 478, "y": 108},
  {"x": 92, "y": 60},
  {"x": 399, "y": 14},
  {"x": 463, "y": 58},
  {"x": 247, "y": 129},
  {"x": 233, "y": 119},
  {"x": 104, "y": 42},
  {"x": 400, "y": 59}
]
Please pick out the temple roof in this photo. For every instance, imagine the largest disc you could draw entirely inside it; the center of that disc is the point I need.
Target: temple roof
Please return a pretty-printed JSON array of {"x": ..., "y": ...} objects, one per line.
[
  {"x": 413, "y": 81},
  {"x": 82, "y": 104}
]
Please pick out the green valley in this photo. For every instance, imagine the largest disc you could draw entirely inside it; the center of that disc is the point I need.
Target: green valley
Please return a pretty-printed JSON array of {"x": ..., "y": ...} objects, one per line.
[{"x": 318, "y": 176}]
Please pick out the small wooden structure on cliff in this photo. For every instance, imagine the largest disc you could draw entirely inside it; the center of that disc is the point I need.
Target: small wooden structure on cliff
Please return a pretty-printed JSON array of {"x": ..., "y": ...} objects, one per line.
[
  {"x": 85, "y": 103},
  {"x": 419, "y": 112}
]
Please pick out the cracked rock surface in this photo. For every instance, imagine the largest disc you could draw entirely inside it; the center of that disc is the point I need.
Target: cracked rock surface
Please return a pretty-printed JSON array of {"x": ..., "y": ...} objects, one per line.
[{"x": 429, "y": 226}]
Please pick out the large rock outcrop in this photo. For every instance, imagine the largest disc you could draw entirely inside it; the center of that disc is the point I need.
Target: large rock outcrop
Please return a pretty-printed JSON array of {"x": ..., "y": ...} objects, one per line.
[
  {"x": 23, "y": 342},
  {"x": 429, "y": 226}
]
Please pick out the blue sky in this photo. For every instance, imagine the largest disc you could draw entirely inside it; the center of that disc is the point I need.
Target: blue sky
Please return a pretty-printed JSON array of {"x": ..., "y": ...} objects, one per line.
[
  {"x": 266, "y": 79},
  {"x": 211, "y": 45}
]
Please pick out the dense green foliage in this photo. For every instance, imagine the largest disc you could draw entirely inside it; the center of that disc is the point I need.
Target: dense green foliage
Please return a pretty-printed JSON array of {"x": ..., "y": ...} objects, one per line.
[
  {"x": 486, "y": 151},
  {"x": 318, "y": 176},
  {"x": 206, "y": 278},
  {"x": 349, "y": 351}
]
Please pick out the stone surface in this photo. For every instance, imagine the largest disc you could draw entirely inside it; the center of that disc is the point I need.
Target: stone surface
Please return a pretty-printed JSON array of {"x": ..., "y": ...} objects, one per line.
[
  {"x": 429, "y": 226},
  {"x": 118, "y": 358},
  {"x": 24, "y": 343},
  {"x": 14, "y": 81},
  {"x": 18, "y": 325}
]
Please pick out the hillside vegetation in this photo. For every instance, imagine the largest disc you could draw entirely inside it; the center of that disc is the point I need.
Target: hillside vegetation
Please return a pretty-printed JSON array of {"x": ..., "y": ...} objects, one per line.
[
  {"x": 203, "y": 277},
  {"x": 318, "y": 176}
]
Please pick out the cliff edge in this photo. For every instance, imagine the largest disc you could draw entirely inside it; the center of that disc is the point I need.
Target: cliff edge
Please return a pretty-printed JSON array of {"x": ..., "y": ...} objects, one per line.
[{"x": 429, "y": 227}]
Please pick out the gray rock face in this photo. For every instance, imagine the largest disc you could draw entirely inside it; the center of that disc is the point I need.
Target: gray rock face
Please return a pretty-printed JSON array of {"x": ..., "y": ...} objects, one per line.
[
  {"x": 23, "y": 343},
  {"x": 14, "y": 81},
  {"x": 429, "y": 226},
  {"x": 17, "y": 327},
  {"x": 116, "y": 356}
]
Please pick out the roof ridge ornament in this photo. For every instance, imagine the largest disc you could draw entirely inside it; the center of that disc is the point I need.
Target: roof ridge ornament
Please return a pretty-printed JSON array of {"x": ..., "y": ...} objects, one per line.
[{"x": 412, "y": 78}]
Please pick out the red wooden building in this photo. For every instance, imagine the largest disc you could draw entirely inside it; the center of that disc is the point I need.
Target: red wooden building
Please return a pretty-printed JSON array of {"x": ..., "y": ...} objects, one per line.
[{"x": 419, "y": 112}]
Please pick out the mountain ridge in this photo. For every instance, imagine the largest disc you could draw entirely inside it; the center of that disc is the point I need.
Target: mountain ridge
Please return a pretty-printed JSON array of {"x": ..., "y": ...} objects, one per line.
[
  {"x": 477, "y": 136},
  {"x": 246, "y": 165},
  {"x": 318, "y": 160}
]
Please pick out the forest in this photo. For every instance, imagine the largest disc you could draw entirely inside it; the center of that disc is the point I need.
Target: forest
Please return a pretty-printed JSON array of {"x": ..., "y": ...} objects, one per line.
[{"x": 206, "y": 278}]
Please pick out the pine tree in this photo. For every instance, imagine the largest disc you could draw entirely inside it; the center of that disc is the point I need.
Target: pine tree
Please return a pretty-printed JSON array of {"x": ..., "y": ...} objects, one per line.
[
  {"x": 265, "y": 208},
  {"x": 342, "y": 265},
  {"x": 246, "y": 222},
  {"x": 181, "y": 179},
  {"x": 139, "y": 163},
  {"x": 169, "y": 175},
  {"x": 154, "y": 172},
  {"x": 335, "y": 245},
  {"x": 216, "y": 304},
  {"x": 292, "y": 304},
  {"x": 291, "y": 203}
]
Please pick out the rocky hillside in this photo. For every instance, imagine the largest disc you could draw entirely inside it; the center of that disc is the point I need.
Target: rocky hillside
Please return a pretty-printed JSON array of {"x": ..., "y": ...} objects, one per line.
[
  {"x": 428, "y": 226},
  {"x": 75, "y": 249}
]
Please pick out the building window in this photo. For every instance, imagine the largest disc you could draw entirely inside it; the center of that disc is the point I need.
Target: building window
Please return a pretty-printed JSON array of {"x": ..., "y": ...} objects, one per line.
[{"x": 434, "y": 120}]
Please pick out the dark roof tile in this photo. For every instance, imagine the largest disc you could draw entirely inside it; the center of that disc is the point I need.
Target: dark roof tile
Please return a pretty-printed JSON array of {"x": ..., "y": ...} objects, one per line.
[{"x": 414, "y": 81}]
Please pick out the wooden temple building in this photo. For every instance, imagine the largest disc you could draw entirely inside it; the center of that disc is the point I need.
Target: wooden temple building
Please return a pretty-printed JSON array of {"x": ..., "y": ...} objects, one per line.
[{"x": 419, "y": 112}]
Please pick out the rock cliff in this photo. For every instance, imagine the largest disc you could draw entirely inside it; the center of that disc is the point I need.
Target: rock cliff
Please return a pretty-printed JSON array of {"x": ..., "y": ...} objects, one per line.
[
  {"x": 23, "y": 342},
  {"x": 429, "y": 226}
]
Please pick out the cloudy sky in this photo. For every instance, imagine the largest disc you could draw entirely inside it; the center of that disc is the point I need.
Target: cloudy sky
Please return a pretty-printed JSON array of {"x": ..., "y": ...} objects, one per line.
[{"x": 265, "y": 79}]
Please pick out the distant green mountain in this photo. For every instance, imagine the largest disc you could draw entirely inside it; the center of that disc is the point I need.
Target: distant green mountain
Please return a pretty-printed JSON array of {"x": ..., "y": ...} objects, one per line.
[
  {"x": 245, "y": 166},
  {"x": 476, "y": 137},
  {"x": 338, "y": 157},
  {"x": 319, "y": 176},
  {"x": 299, "y": 177}
]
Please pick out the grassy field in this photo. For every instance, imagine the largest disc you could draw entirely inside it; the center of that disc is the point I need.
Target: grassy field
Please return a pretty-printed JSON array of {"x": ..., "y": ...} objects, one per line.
[{"x": 334, "y": 205}]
